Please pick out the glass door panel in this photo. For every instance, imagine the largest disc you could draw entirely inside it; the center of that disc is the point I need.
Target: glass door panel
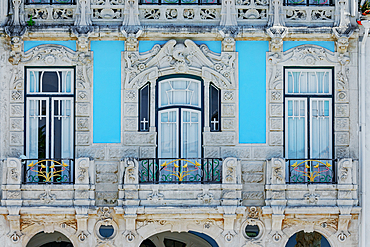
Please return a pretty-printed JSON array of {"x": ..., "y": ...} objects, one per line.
[{"x": 168, "y": 134}]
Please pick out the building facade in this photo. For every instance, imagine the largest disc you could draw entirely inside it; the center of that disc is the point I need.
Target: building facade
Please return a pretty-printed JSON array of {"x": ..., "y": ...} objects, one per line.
[{"x": 183, "y": 123}]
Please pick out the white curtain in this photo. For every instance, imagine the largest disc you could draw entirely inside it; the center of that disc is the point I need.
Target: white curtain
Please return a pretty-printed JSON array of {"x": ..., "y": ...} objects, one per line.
[
  {"x": 296, "y": 110},
  {"x": 190, "y": 134},
  {"x": 66, "y": 82},
  {"x": 179, "y": 92},
  {"x": 34, "y": 83},
  {"x": 320, "y": 129}
]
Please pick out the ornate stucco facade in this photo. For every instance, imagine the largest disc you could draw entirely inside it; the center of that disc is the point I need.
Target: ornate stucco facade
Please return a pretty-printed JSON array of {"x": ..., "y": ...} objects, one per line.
[{"x": 106, "y": 184}]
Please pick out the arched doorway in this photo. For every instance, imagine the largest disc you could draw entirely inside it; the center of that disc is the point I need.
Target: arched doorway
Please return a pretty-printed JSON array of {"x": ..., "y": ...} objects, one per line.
[
  {"x": 184, "y": 239},
  {"x": 307, "y": 239},
  {"x": 55, "y": 239}
]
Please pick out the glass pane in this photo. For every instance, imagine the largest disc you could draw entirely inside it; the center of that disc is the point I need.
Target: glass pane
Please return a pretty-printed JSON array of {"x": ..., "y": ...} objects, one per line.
[
  {"x": 179, "y": 92},
  {"x": 308, "y": 82},
  {"x": 144, "y": 108},
  {"x": 50, "y": 81},
  {"x": 321, "y": 130},
  {"x": 62, "y": 129},
  {"x": 296, "y": 129},
  {"x": 34, "y": 82},
  {"x": 190, "y": 135},
  {"x": 37, "y": 129},
  {"x": 168, "y": 135},
  {"x": 214, "y": 108},
  {"x": 66, "y": 81}
]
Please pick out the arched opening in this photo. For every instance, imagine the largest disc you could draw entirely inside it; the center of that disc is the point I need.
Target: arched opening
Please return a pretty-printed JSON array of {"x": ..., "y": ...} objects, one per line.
[
  {"x": 307, "y": 239},
  {"x": 55, "y": 239},
  {"x": 183, "y": 239}
]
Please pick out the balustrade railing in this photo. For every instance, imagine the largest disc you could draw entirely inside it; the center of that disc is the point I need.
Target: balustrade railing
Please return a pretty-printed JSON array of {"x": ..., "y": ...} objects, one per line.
[
  {"x": 311, "y": 170},
  {"x": 180, "y": 170},
  {"x": 47, "y": 171}
]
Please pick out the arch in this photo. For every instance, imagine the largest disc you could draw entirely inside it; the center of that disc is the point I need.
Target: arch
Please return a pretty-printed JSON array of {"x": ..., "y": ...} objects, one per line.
[
  {"x": 32, "y": 231},
  {"x": 200, "y": 239},
  {"x": 326, "y": 233},
  {"x": 42, "y": 239},
  {"x": 153, "y": 229},
  {"x": 292, "y": 240}
]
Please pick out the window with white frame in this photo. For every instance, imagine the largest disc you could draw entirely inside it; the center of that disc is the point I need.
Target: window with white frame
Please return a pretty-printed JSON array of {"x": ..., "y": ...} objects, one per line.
[
  {"x": 308, "y": 123},
  {"x": 49, "y": 124}
]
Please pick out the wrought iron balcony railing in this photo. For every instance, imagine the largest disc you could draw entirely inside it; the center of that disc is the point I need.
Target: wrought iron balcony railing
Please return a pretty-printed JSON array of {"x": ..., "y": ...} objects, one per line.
[
  {"x": 180, "y": 2},
  {"x": 311, "y": 170},
  {"x": 180, "y": 170},
  {"x": 47, "y": 171},
  {"x": 309, "y": 2}
]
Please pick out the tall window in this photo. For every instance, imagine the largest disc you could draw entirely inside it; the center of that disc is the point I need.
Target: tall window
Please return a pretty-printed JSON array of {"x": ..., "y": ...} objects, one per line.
[
  {"x": 214, "y": 108},
  {"x": 308, "y": 123},
  {"x": 179, "y": 121},
  {"x": 49, "y": 123},
  {"x": 179, "y": 118}
]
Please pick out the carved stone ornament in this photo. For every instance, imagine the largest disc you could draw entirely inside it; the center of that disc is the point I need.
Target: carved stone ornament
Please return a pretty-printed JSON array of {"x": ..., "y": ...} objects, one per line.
[
  {"x": 311, "y": 197},
  {"x": 229, "y": 237},
  {"x": 278, "y": 171},
  {"x": 131, "y": 171},
  {"x": 309, "y": 55},
  {"x": 51, "y": 54},
  {"x": 175, "y": 57},
  {"x": 142, "y": 223},
  {"x": 155, "y": 196},
  {"x": 231, "y": 171},
  {"x": 277, "y": 34},
  {"x": 276, "y": 237},
  {"x": 205, "y": 197},
  {"x": 342, "y": 237},
  {"x": 15, "y": 236},
  {"x": 254, "y": 212},
  {"x": 82, "y": 236},
  {"x": 47, "y": 197},
  {"x": 129, "y": 236},
  {"x": 105, "y": 213},
  {"x": 48, "y": 222}
]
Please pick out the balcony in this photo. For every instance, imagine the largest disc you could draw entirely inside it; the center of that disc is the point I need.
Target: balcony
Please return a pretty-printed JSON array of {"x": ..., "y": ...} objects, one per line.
[
  {"x": 197, "y": 170},
  {"x": 202, "y": 182},
  {"x": 311, "y": 171},
  {"x": 47, "y": 171},
  {"x": 311, "y": 182},
  {"x": 47, "y": 182}
]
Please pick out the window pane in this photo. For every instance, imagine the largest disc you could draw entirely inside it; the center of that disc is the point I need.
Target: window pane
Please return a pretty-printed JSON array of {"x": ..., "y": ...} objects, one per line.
[
  {"x": 190, "y": 134},
  {"x": 168, "y": 134},
  {"x": 306, "y": 81},
  {"x": 296, "y": 129},
  {"x": 214, "y": 111},
  {"x": 180, "y": 92},
  {"x": 50, "y": 81},
  {"x": 34, "y": 82},
  {"x": 144, "y": 108},
  {"x": 321, "y": 129}
]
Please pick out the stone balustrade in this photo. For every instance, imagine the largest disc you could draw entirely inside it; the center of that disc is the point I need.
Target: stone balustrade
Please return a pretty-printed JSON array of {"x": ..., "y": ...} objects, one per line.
[{"x": 229, "y": 13}]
